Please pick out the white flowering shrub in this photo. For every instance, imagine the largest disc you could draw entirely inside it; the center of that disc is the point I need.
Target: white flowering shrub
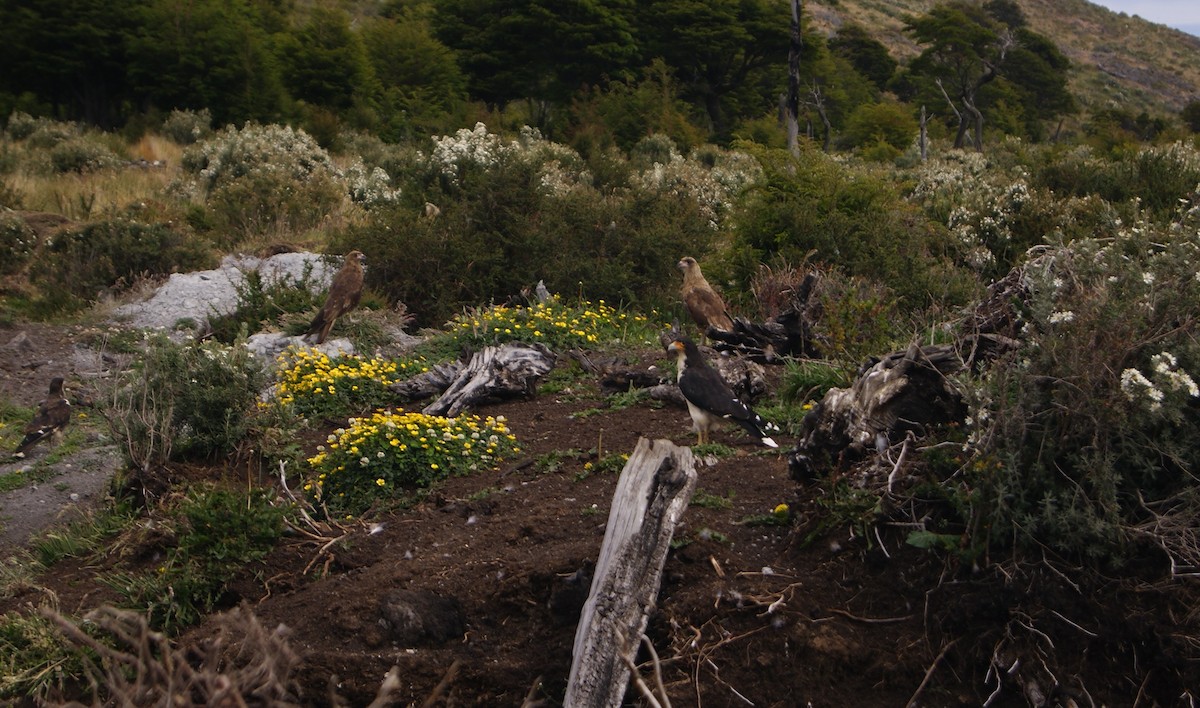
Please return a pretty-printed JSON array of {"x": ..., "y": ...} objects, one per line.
[
  {"x": 369, "y": 187},
  {"x": 263, "y": 177},
  {"x": 711, "y": 178},
  {"x": 41, "y": 132},
  {"x": 17, "y": 243},
  {"x": 1087, "y": 440}
]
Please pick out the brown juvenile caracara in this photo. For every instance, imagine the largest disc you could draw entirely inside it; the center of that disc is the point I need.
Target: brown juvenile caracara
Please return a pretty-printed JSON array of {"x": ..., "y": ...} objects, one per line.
[
  {"x": 344, "y": 294},
  {"x": 52, "y": 416},
  {"x": 702, "y": 302},
  {"x": 709, "y": 398}
]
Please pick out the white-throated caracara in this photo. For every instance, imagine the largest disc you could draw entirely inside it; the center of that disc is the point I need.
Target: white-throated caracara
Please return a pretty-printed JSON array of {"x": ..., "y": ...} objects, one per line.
[
  {"x": 52, "y": 416},
  {"x": 344, "y": 294},
  {"x": 709, "y": 398},
  {"x": 702, "y": 302}
]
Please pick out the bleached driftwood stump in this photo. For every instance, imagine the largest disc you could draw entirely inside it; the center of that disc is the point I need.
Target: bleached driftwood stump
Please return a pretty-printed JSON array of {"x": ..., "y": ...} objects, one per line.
[{"x": 652, "y": 494}]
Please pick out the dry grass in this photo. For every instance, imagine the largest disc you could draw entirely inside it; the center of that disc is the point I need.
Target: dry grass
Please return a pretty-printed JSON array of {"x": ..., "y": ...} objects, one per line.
[{"x": 88, "y": 196}]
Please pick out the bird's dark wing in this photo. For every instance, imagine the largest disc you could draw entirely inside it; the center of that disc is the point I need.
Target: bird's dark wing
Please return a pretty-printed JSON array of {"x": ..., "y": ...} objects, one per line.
[
  {"x": 52, "y": 416},
  {"x": 705, "y": 388}
]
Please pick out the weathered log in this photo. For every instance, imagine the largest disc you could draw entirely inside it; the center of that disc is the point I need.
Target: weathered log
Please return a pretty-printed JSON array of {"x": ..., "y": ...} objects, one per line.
[
  {"x": 512, "y": 369},
  {"x": 652, "y": 494},
  {"x": 430, "y": 383},
  {"x": 903, "y": 392}
]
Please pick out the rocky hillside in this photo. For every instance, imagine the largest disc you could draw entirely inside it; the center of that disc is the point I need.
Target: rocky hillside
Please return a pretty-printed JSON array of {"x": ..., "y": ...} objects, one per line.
[{"x": 1120, "y": 60}]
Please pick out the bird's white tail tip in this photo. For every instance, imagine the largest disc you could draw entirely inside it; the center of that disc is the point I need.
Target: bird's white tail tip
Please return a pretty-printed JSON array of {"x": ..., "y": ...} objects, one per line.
[{"x": 769, "y": 442}]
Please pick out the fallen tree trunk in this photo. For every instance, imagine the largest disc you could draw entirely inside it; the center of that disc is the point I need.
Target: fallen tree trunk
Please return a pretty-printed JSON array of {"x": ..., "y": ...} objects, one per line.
[
  {"x": 512, "y": 369},
  {"x": 652, "y": 494}
]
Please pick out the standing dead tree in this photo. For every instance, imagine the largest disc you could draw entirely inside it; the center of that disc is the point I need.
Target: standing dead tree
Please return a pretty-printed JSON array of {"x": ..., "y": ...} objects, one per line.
[
  {"x": 654, "y": 490},
  {"x": 796, "y": 45}
]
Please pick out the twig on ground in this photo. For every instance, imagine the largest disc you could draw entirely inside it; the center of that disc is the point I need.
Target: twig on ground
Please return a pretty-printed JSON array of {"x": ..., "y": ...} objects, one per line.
[
  {"x": 870, "y": 620},
  {"x": 929, "y": 673}
]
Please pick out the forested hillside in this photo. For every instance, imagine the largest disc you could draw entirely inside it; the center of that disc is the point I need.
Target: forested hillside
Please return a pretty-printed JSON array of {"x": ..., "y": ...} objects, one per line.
[{"x": 593, "y": 74}]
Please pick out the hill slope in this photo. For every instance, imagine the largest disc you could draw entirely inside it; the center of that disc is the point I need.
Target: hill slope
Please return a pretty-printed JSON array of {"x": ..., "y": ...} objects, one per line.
[{"x": 1120, "y": 60}]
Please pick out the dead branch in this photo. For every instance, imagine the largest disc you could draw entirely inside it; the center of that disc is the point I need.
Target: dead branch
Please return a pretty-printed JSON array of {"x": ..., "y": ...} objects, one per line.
[{"x": 929, "y": 673}]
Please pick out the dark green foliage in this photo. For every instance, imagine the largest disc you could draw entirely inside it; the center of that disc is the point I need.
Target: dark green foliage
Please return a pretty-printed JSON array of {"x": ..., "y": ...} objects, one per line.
[
  {"x": 537, "y": 49},
  {"x": 1158, "y": 177},
  {"x": 325, "y": 62},
  {"x": 730, "y": 55},
  {"x": 816, "y": 208},
  {"x": 218, "y": 533},
  {"x": 866, "y": 54},
  {"x": 80, "y": 264},
  {"x": 500, "y": 232},
  {"x": 423, "y": 88},
  {"x": 210, "y": 55},
  {"x": 71, "y": 53},
  {"x": 983, "y": 70},
  {"x": 620, "y": 113},
  {"x": 1191, "y": 116}
]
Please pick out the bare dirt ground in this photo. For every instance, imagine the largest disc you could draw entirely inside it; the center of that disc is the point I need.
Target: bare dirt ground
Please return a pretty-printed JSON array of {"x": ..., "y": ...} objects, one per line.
[{"x": 812, "y": 613}]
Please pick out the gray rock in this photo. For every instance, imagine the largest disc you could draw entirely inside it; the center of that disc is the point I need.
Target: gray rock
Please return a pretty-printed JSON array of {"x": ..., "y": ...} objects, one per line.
[
  {"x": 199, "y": 295},
  {"x": 269, "y": 345}
]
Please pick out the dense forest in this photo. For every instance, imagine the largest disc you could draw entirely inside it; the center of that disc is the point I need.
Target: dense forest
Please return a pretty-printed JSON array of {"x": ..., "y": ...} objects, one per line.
[{"x": 589, "y": 73}]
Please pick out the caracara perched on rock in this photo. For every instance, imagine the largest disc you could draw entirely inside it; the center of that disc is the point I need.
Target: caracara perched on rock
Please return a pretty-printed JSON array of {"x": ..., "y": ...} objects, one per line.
[
  {"x": 702, "y": 302},
  {"x": 344, "y": 293},
  {"x": 709, "y": 398},
  {"x": 52, "y": 416}
]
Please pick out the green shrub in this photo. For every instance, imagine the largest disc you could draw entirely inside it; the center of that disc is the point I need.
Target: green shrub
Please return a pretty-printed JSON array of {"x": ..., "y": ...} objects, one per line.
[
  {"x": 514, "y": 213},
  {"x": 43, "y": 132},
  {"x": 183, "y": 401},
  {"x": 872, "y": 124},
  {"x": 113, "y": 254},
  {"x": 1158, "y": 176},
  {"x": 218, "y": 533},
  {"x": 20, "y": 125},
  {"x": 264, "y": 303},
  {"x": 814, "y": 209}
]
